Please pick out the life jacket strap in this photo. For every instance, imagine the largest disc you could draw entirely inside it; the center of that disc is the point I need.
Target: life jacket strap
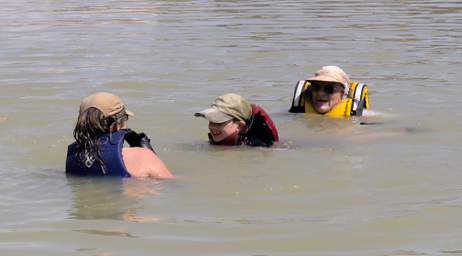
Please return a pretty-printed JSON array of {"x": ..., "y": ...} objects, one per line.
[
  {"x": 359, "y": 98},
  {"x": 298, "y": 101}
]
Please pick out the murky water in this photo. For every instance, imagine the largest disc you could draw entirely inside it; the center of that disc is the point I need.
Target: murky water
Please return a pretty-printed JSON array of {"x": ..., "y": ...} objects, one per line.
[{"x": 332, "y": 187}]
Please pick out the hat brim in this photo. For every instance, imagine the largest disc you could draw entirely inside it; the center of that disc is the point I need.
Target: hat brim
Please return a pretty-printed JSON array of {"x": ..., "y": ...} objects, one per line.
[
  {"x": 129, "y": 113},
  {"x": 322, "y": 78},
  {"x": 214, "y": 115}
]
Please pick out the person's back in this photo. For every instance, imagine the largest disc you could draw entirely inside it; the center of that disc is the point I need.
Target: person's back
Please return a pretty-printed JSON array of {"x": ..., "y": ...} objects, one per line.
[
  {"x": 261, "y": 130},
  {"x": 142, "y": 162},
  {"x": 99, "y": 149}
]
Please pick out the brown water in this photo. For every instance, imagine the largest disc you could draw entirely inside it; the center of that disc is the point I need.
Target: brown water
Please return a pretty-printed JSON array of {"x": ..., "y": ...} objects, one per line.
[{"x": 331, "y": 188}]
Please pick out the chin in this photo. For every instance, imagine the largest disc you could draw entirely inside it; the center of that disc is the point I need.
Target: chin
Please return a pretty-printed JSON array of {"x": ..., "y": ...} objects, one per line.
[
  {"x": 218, "y": 139},
  {"x": 322, "y": 110},
  {"x": 320, "y": 107}
]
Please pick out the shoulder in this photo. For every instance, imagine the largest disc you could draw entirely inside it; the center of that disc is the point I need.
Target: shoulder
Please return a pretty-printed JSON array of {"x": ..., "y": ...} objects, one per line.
[
  {"x": 258, "y": 111},
  {"x": 261, "y": 116},
  {"x": 142, "y": 162},
  {"x": 262, "y": 131}
]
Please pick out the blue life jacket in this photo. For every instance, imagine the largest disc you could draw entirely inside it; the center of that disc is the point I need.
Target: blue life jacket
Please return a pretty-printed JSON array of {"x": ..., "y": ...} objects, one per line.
[{"x": 110, "y": 152}]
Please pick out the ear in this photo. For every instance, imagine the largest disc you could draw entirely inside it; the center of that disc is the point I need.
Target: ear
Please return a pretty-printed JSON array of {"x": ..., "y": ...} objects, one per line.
[{"x": 241, "y": 124}]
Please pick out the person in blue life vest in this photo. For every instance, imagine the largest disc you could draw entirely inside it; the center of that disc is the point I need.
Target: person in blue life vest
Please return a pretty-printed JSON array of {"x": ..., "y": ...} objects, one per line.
[
  {"x": 330, "y": 92},
  {"x": 98, "y": 150},
  {"x": 234, "y": 121}
]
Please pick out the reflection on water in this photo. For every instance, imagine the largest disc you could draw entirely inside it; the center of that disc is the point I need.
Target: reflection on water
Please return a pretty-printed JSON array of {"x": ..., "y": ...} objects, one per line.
[
  {"x": 106, "y": 233},
  {"x": 331, "y": 187},
  {"x": 111, "y": 198}
]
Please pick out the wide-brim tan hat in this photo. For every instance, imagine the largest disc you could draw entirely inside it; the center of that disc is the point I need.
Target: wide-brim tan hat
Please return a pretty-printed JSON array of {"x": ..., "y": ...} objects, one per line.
[
  {"x": 227, "y": 107},
  {"x": 108, "y": 103},
  {"x": 332, "y": 74}
]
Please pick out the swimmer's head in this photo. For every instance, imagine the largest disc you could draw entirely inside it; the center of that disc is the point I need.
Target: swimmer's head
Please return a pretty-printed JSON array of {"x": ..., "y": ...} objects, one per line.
[
  {"x": 227, "y": 117},
  {"x": 227, "y": 107},
  {"x": 108, "y": 103},
  {"x": 328, "y": 87},
  {"x": 100, "y": 113},
  {"x": 332, "y": 74}
]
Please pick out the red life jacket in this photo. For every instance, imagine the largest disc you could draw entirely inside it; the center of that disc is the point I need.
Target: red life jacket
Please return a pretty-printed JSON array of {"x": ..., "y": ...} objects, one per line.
[{"x": 260, "y": 129}]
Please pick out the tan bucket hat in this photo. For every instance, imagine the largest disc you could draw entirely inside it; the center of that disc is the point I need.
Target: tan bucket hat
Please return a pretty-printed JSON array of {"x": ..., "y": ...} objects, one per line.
[
  {"x": 227, "y": 107},
  {"x": 332, "y": 74},
  {"x": 107, "y": 103}
]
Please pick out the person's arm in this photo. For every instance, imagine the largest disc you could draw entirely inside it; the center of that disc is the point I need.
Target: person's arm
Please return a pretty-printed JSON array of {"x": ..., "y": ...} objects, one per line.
[{"x": 142, "y": 162}]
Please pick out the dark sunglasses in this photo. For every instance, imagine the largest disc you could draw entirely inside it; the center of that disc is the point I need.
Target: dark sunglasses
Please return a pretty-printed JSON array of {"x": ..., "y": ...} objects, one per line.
[{"x": 327, "y": 88}]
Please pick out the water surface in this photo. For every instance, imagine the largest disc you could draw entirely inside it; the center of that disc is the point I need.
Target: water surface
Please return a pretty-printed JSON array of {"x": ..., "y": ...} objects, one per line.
[{"x": 332, "y": 187}]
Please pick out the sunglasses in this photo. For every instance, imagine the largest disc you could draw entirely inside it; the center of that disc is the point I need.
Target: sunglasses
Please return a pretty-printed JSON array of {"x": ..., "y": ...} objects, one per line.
[{"x": 327, "y": 88}]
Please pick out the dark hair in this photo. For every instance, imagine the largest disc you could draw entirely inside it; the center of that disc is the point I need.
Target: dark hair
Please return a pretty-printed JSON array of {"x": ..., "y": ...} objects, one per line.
[{"x": 91, "y": 125}]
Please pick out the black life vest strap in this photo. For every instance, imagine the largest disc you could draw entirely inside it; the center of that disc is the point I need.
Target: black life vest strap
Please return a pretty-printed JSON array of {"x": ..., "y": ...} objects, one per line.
[
  {"x": 298, "y": 104},
  {"x": 358, "y": 104}
]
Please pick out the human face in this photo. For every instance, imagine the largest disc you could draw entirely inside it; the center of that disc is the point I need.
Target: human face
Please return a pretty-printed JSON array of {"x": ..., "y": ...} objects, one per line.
[
  {"x": 221, "y": 131},
  {"x": 325, "y": 95}
]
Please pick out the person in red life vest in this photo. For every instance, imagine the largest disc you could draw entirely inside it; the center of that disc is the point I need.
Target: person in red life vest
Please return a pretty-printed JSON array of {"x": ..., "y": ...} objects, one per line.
[
  {"x": 234, "y": 121},
  {"x": 98, "y": 150}
]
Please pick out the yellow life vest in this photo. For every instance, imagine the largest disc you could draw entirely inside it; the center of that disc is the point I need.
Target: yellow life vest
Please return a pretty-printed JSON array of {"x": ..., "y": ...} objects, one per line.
[{"x": 352, "y": 105}]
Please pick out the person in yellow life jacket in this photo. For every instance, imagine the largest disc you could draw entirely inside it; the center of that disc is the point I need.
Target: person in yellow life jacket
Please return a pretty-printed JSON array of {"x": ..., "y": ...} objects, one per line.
[{"x": 330, "y": 92}]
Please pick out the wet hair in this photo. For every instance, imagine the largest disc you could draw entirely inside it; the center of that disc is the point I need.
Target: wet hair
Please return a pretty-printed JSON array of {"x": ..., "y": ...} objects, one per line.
[{"x": 91, "y": 125}]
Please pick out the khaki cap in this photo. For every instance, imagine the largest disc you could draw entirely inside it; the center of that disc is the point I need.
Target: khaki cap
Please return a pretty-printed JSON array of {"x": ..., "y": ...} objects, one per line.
[
  {"x": 227, "y": 107},
  {"x": 105, "y": 102},
  {"x": 332, "y": 74}
]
